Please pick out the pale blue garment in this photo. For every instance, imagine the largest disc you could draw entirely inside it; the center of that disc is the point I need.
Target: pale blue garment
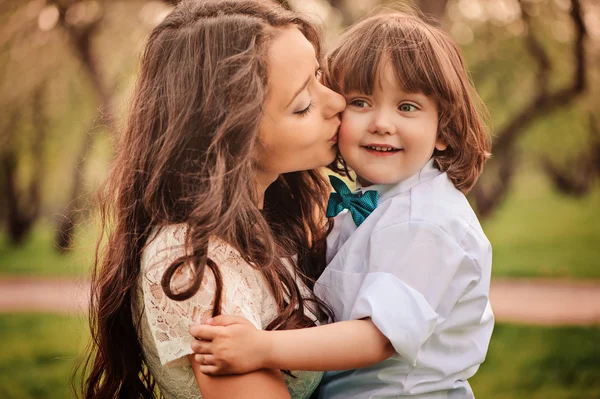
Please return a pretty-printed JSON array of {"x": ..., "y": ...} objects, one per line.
[{"x": 419, "y": 266}]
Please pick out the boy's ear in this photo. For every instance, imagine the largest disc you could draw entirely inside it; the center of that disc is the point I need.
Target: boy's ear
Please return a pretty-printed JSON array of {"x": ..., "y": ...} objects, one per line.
[{"x": 440, "y": 143}]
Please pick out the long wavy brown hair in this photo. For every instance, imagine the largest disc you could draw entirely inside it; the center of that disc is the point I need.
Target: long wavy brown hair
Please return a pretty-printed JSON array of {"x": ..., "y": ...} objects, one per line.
[
  {"x": 427, "y": 60},
  {"x": 187, "y": 155}
]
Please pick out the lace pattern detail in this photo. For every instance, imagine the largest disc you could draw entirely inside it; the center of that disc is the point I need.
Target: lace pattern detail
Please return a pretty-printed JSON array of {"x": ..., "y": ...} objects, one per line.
[{"x": 164, "y": 324}]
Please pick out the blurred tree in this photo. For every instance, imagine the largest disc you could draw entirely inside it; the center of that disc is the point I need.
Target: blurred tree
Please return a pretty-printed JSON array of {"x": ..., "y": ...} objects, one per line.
[
  {"x": 489, "y": 194},
  {"x": 78, "y": 54},
  {"x": 81, "y": 20},
  {"x": 583, "y": 170},
  {"x": 24, "y": 125},
  {"x": 81, "y": 54},
  {"x": 23, "y": 203}
]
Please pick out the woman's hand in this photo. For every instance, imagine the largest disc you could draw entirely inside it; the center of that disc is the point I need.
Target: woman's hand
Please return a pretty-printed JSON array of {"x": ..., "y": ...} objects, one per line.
[{"x": 229, "y": 345}]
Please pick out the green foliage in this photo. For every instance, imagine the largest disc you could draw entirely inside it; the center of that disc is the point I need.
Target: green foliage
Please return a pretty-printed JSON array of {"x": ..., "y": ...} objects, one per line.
[
  {"x": 538, "y": 232},
  {"x": 39, "y": 257},
  {"x": 539, "y": 363},
  {"x": 561, "y": 137},
  {"x": 38, "y": 353}
]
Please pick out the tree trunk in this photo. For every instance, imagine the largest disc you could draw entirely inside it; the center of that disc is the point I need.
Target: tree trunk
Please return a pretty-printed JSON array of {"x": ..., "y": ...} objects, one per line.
[
  {"x": 544, "y": 102},
  {"x": 67, "y": 221},
  {"x": 81, "y": 44},
  {"x": 23, "y": 207}
]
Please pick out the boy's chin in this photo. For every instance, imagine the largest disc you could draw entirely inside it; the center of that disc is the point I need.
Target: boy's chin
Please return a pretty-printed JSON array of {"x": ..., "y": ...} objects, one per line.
[{"x": 378, "y": 179}]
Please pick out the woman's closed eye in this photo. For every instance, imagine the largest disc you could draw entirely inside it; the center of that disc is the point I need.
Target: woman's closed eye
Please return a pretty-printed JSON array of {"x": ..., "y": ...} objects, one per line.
[{"x": 305, "y": 111}]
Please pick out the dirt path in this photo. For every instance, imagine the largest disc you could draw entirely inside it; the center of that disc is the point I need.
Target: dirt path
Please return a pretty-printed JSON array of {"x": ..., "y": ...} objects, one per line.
[
  {"x": 60, "y": 295},
  {"x": 549, "y": 302},
  {"x": 544, "y": 302}
]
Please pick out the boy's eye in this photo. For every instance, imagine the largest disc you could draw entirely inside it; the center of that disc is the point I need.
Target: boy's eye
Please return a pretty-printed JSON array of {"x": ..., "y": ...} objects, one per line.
[
  {"x": 407, "y": 107},
  {"x": 359, "y": 103}
]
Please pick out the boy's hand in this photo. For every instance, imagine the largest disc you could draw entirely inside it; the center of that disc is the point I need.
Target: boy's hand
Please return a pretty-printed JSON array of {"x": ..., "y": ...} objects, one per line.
[{"x": 229, "y": 345}]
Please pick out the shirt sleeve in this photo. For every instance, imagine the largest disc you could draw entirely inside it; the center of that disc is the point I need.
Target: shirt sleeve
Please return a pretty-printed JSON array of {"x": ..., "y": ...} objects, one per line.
[
  {"x": 169, "y": 320},
  {"x": 409, "y": 268}
]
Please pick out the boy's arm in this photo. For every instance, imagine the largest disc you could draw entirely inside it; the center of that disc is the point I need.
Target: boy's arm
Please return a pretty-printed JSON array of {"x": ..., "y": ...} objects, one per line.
[
  {"x": 231, "y": 345},
  {"x": 337, "y": 346}
]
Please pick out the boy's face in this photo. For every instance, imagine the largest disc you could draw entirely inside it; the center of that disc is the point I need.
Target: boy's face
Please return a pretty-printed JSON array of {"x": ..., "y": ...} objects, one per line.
[{"x": 390, "y": 135}]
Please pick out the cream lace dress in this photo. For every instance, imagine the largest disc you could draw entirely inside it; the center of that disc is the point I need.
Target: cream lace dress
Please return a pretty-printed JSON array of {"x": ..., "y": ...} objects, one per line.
[{"x": 164, "y": 324}]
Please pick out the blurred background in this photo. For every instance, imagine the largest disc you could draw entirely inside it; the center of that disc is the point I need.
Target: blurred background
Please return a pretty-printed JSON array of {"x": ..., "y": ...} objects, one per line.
[{"x": 67, "y": 70}]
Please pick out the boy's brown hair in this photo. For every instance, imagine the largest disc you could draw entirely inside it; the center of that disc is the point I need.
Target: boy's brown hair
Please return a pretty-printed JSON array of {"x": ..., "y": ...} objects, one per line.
[{"x": 425, "y": 59}]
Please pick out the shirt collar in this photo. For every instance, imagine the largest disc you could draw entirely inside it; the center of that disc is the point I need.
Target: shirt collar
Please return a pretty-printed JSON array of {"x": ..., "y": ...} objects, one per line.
[{"x": 386, "y": 191}]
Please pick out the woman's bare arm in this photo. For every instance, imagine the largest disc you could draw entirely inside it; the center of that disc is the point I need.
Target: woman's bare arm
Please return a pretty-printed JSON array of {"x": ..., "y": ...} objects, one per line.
[{"x": 264, "y": 383}]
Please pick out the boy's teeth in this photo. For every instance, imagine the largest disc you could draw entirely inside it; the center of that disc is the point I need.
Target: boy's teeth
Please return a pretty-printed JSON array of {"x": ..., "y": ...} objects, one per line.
[{"x": 376, "y": 148}]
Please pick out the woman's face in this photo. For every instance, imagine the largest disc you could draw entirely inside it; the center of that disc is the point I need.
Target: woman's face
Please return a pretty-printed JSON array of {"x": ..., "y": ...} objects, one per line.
[{"x": 300, "y": 122}]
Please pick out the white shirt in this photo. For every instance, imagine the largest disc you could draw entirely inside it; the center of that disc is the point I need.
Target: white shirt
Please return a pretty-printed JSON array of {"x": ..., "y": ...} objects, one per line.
[{"x": 419, "y": 266}]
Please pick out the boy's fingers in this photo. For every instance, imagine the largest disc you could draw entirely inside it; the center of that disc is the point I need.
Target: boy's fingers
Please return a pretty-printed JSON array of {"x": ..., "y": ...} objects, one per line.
[
  {"x": 201, "y": 347},
  {"x": 226, "y": 320},
  {"x": 203, "y": 332},
  {"x": 205, "y": 359},
  {"x": 209, "y": 370}
]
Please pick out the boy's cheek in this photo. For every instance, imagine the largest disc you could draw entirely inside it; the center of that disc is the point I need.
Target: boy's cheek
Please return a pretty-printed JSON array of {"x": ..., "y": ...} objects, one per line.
[
  {"x": 347, "y": 141},
  {"x": 343, "y": 133},
  {"x": 351, "y": 127}
]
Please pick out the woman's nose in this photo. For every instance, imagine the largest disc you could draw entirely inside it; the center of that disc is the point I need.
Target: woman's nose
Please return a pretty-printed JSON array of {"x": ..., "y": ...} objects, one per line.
[{"x": 335, "y": 102}]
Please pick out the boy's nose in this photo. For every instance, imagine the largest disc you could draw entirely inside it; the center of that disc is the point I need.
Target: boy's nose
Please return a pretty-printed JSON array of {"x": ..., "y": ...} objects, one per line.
[{"x": 382, "y": 124}]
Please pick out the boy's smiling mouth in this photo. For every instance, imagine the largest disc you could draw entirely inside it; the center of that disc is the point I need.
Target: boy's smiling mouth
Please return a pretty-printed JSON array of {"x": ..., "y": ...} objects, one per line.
[{"x": 381, "y": 149}]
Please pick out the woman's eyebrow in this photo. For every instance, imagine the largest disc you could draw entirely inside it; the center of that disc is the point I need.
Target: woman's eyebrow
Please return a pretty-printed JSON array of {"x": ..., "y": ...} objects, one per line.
[
  {"x": 299, "y": 91},
  {"x": 303, "y": 86}
]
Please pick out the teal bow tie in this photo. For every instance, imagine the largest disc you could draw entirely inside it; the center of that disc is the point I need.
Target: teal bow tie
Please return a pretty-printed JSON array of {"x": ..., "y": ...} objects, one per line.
[{"x": 360, "y": 205}]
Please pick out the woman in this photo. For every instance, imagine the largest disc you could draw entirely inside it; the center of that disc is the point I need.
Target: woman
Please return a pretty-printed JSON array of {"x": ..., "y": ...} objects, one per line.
[{"x": 212, "y": 205}]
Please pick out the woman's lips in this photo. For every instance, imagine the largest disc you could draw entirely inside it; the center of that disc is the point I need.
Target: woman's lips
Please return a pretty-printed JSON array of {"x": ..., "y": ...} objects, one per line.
[{"x": 334, "y": 138}]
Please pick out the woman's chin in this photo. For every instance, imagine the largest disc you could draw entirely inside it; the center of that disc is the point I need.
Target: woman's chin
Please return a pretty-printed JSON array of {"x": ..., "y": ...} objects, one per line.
[
  {"x": 323, "y": 161},
  {"x": 332, "y": 155}
]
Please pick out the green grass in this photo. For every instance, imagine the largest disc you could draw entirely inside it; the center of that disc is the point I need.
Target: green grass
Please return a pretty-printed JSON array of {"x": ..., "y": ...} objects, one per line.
[
  {"x": 540, "y": 363},
  {"x": 38, "y": 256},
  {"x": 38, "y": 353},
  {"x": 538, "y": 232}
]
